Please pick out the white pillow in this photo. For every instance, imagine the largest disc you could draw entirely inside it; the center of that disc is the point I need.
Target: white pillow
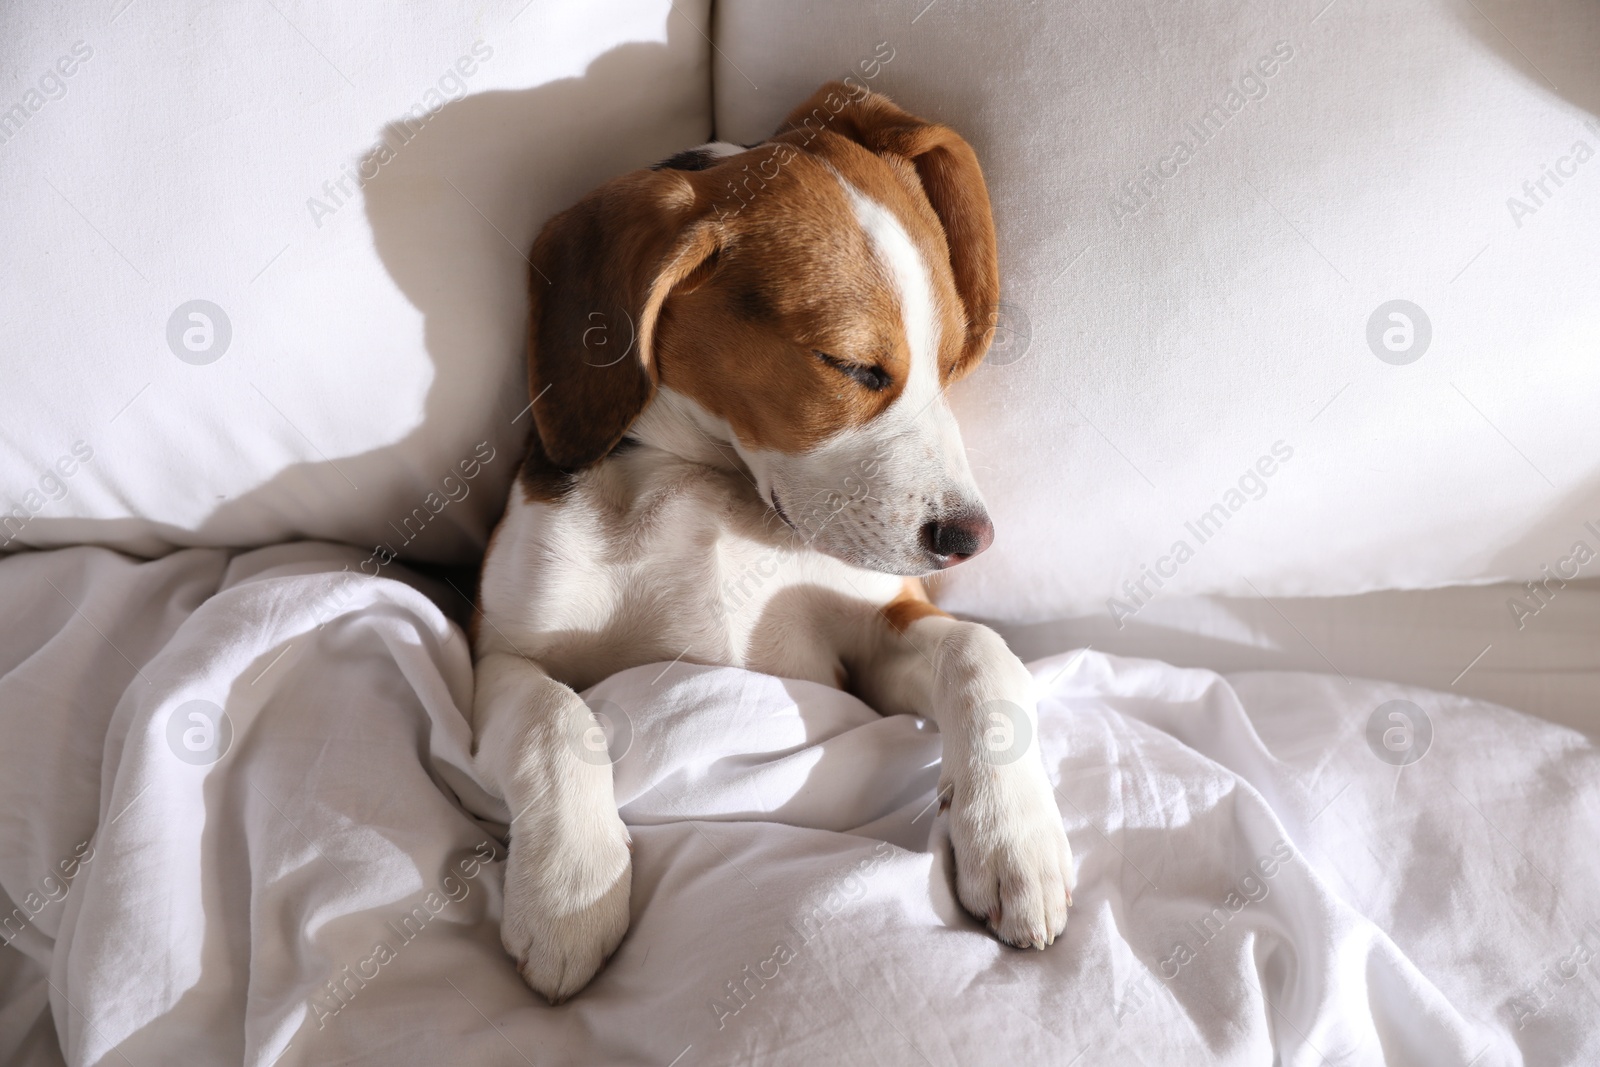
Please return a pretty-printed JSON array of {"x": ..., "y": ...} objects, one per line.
[
  {"x": 362, "y": 379},
  {"x": 1195, "y": 342}
]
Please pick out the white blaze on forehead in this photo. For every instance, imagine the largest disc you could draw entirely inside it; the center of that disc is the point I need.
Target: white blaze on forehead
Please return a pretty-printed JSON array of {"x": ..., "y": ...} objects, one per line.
[
  {"x": 867, "y": 493},
  {"x": 913, "y": 284}
]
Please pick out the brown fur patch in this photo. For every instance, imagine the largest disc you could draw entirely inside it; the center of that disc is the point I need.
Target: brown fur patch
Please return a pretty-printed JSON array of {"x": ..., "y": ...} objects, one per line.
[
  {"x": 796, "y": 254},
  {"x": 948, "y": 177},
  {"x": 540, "y": 480},
  {"x": 912, "y": 604},
  {"x": 601, "y": 270},
  {"x": 892, "y": 182},
  {"x": 725, "y": 282}
]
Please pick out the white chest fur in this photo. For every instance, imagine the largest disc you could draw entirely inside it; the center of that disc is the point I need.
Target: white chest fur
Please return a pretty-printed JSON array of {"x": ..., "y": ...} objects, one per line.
[{"x": 647, "y": 557}]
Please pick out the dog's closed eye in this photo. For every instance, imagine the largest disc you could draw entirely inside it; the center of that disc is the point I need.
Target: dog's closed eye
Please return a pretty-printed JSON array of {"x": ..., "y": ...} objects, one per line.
[{"x": 869, "y": 376}]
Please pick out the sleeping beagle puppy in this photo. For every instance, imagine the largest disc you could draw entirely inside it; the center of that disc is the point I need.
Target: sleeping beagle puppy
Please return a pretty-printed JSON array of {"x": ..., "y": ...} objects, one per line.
[{"x": 738, "y": 361}]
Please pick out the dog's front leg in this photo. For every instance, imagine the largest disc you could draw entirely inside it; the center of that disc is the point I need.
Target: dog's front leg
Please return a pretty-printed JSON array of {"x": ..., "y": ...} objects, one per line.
[
  {"x": 1013, "y": 863},
  {"x": 569, "y": 870}
]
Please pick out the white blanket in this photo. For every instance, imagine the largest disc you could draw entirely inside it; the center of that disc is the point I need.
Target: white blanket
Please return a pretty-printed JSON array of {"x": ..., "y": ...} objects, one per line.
[{"x": 317, "y": 880}]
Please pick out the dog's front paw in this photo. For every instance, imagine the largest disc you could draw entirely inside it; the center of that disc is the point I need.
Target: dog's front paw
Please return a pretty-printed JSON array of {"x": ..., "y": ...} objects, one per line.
[
  {"x": 566, "y": 908},
  {"x": 1013, "y": 863}
]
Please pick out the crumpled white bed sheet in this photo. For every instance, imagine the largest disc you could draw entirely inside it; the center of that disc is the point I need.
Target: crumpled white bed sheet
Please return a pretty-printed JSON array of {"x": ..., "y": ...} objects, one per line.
[{"x": 1254, "y": 884}]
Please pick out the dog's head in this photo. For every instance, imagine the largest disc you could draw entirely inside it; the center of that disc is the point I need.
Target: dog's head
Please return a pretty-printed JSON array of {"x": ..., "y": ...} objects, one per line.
[{"x": 803, "y": 304}]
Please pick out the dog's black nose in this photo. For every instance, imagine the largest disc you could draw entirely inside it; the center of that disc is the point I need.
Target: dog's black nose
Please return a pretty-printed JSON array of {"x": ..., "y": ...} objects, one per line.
[{"x": 956, "y": 539}]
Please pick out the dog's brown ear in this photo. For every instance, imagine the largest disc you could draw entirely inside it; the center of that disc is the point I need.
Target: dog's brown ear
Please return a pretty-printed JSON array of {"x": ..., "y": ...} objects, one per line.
[
  {"x": 601, "y": 271},
  {"x": 951, "y": 179}
]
